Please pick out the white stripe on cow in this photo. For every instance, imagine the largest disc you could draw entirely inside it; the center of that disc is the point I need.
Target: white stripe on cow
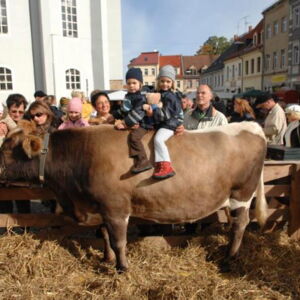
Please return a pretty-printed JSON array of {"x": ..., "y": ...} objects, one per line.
[
  {"x": 234, "y": 129},
  {"x": 235, "y": 204}
]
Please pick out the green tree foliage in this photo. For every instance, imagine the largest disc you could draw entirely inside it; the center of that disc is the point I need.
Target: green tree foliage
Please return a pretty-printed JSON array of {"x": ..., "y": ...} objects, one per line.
[{"x": 214, "y": 45}]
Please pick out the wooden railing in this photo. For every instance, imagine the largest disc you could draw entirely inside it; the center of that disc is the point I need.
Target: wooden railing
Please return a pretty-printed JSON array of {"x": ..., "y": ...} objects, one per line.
[{"x": 282, "y": 187}]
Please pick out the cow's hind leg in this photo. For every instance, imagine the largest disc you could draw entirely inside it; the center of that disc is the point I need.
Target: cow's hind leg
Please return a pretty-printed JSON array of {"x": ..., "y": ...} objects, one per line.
[
  {"x": 117, "y": 229},
  {"x": 109, "y": 255},
  {"x": 240, "y": 215}
]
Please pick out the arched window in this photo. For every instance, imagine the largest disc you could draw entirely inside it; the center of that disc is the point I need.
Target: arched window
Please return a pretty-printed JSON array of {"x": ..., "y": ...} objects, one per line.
[
  {"x": 73, "y": 79},
  {"x": 5, "y": 79},
  {"x": 3, "y": 17},
  {"x": 69, "y": 18}
]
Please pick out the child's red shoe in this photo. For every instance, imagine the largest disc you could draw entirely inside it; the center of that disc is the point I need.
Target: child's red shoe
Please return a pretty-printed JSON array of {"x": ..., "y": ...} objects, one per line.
[{"x": 163, "y": 170}]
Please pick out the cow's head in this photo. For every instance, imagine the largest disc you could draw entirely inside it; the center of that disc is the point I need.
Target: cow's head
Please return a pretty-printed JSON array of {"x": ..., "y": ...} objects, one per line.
[{"x": 18, "y": 151}]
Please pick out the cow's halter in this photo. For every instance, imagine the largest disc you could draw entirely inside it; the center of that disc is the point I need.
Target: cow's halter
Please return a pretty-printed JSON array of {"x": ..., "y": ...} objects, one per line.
[{"x": 43, "y": 156}]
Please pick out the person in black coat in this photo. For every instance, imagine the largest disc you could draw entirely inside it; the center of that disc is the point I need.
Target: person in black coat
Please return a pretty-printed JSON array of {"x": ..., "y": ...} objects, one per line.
[
  {"x": 219, "y": 105},
  {"x": 134, "y": 117}
]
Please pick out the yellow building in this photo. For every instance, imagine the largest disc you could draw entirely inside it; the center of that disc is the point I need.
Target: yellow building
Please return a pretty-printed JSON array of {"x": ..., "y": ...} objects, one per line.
[
  {"x": 233, "y": 74},
  {"x": 276, "y": 45},
  {"x": 252, "y": 61}
]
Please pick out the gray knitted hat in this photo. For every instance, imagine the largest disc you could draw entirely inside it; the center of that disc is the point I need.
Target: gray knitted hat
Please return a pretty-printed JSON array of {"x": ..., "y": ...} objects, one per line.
[{"x": 167, "y": 71}]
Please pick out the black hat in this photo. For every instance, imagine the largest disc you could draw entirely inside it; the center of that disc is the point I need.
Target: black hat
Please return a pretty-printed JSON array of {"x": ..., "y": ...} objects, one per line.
[
  {"x": 134, "y": 73},
  {"x": 39, "y": 94},
  {"x": 263, "y": 98}
]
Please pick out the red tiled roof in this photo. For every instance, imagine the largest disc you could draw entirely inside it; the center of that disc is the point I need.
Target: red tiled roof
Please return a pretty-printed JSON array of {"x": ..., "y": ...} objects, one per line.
[
  {"x": 145, "y": 58},
  {"x": 173, "y": 60},
  {"x": 259, "y": 27}
]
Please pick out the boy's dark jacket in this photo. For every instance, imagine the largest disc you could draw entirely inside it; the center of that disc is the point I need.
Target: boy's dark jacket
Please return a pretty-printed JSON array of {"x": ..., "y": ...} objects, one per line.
[{"x": 132, "y": 111}]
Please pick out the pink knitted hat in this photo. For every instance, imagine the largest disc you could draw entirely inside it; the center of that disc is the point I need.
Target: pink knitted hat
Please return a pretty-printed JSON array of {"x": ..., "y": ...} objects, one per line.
[{"x": 75, "y": 105}]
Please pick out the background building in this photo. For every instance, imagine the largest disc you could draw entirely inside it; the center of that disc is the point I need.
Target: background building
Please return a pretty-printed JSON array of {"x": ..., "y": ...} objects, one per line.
[
  {"x": 59, "y": 45},
  {"x": 276, "y": 45},
  {"x": 193, "y": 66},
  {"x": 252, "y": 60},
  {"x": 294, "y": 45},
  {"x": 148, "y": 63},
  {"x": 216, "y": 74}
]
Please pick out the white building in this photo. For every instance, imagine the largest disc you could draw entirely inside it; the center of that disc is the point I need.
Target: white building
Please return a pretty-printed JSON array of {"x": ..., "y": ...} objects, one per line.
[{"x": 59, "y": 45}]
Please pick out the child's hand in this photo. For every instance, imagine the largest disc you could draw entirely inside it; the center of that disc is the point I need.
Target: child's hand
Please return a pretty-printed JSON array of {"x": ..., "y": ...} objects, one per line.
[
  {"x": 136, "y": 126},
  {"x": 146, "y": 107},
  {"x": 149, "y": 112},
  {"x": 119, "y": 125},
  {"x": 179, "y": 130}
]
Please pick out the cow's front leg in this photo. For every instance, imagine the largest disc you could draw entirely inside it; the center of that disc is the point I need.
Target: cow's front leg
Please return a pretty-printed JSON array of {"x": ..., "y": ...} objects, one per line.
[
  {"x": 240, "y": 221},
  {"x": 117, "y": 229},
  {"x": 109, "y": 255}
]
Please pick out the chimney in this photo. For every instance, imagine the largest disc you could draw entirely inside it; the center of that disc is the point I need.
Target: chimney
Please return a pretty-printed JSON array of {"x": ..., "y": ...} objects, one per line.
[
  {"x": 249, "y": 28},
  {"x": 235, "y": 37}
]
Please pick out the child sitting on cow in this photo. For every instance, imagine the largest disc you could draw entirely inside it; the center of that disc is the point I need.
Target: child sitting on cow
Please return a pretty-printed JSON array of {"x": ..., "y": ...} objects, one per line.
[
  {"x": 74, "y": 117},
  {"x": 168, "y": 118},
  {"x": 135, "y": 119}
]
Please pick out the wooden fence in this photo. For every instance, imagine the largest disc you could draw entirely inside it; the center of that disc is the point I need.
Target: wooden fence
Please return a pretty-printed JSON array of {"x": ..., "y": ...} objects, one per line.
[{"x": 282, "y": 187}]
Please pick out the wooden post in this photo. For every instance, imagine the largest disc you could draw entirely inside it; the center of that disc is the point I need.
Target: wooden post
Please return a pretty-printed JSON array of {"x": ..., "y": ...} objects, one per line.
[{"x": 294, "y": 207}]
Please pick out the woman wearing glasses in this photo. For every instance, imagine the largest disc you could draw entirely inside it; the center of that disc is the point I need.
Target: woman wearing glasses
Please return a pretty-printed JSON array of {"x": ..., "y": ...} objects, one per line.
[
  {"x": 41, "y": 114},
  {"x": 16, "y": 105}
]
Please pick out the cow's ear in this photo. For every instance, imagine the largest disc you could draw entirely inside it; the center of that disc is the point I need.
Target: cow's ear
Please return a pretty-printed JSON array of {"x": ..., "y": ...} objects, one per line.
[
  {"x": 32, "y": 145},
  {"x": 27, "y": 127}
]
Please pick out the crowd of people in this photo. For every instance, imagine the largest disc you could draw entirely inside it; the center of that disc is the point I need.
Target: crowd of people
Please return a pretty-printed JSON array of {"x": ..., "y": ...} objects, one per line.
[{"x": 166, "y": 111}]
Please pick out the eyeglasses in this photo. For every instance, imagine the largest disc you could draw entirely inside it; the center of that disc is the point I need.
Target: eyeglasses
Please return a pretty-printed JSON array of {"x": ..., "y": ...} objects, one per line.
[
  {"x": 36, "y": 115},
  {"x": 20, "y": 112}
]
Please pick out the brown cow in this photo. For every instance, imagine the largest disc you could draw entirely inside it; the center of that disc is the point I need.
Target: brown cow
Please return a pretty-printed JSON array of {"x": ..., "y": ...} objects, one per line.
[{"x": 89, "y": 170}]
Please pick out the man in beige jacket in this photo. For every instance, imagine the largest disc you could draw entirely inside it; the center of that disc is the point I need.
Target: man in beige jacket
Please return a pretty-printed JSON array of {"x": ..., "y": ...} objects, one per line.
[
  {"x": 275, "y": 123},
  {"x": 204, "y": 115}
]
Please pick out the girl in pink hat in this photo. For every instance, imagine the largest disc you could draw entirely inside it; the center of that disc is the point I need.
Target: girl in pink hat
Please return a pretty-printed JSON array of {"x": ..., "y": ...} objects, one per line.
[{"x": 74, "y": 118}]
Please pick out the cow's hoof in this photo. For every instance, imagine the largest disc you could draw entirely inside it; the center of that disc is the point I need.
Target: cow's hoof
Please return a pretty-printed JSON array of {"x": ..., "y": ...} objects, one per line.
[
  {"x": 110, "y": 261},
  {"x": 122, "y": 269},
  {"x": 226, "y": 264},
  {"x": 225, "y": 267}
]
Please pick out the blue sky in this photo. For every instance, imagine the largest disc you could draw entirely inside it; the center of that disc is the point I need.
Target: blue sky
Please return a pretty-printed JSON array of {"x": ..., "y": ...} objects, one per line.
[{"x": 181, "y": 26}]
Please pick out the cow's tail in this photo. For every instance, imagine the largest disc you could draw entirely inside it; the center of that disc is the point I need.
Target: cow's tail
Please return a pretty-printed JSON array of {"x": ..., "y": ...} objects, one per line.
[{"x": 261, "y": 206}]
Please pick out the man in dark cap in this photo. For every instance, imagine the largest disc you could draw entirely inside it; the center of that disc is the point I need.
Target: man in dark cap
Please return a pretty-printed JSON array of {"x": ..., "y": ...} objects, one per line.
[
  {"x": 275, "y": 122},
  {"x": 39, "y": 95}
]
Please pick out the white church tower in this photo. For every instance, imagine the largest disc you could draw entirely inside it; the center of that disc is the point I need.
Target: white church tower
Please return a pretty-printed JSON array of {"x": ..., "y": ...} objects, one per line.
[{"x": 59, "y": 45}]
